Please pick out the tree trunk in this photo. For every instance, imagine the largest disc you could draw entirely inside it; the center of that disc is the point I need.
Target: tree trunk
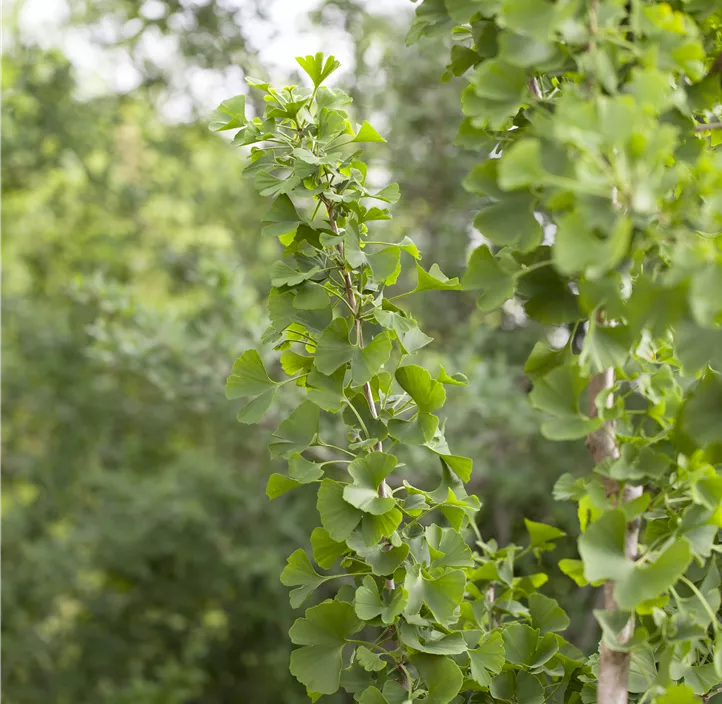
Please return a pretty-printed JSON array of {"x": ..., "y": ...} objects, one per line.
[{"x": 613, "y": 674}]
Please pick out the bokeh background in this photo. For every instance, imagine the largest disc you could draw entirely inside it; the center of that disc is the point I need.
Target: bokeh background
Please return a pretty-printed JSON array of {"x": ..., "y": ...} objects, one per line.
[{"x": 141, "y": 557}]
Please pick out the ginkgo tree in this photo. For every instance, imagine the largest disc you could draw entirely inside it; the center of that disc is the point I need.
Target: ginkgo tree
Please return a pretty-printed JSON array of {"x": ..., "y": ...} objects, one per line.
[{"x": 600, "y": 183}]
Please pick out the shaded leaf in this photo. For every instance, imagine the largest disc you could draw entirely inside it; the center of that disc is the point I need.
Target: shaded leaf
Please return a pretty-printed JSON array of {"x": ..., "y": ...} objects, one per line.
[{"x": 322, "y": 633}]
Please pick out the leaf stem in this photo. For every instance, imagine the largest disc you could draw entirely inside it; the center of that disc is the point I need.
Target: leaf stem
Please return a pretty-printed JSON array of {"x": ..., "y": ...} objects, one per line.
[
  {"x": 368, "y": 644},
  {"x": 715, "y": 623},
  {"x": 288, "y": 381},
  {"x": 358, "y": 416},
  {"x": 533, "y": 267},
  {"x": 335, "y": 447}
]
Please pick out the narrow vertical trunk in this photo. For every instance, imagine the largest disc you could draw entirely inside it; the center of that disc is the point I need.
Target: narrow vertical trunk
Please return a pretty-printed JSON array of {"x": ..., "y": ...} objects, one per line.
[
  {"x": 613, "y": 674},
  {"x": 368, "y": 393}
]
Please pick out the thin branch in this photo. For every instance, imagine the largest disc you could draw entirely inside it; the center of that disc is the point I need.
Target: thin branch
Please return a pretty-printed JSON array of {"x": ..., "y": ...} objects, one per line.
[
  {"x": 710, "y": 126},
  {"x": 384, "y": 491},
  {"x": 613, "y": 665}
]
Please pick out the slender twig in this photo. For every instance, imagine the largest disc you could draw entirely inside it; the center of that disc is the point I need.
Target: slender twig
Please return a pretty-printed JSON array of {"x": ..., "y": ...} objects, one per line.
[
  {"x": 368, "y": 393},
  {"x": 710, "y": 126}
]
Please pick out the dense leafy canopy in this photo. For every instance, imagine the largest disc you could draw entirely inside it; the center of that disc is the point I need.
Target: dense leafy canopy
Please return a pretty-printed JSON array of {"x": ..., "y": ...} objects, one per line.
[{"x": 590, "y": 222}]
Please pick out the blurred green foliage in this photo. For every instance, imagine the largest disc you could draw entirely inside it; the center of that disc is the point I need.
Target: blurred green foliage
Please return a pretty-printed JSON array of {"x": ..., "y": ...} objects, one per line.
[{"x": 140, "y": 556}]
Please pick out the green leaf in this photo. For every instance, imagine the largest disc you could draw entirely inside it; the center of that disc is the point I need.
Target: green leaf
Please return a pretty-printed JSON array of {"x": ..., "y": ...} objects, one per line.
[
  {"x": 368, "y": 472},
  {"x": 371, "y": 662},
  {"x": 525, "y": 52},
  {"x": 701, "y": 416},
  {"x": 701, "y": 678},
  {"x": 389, "y": 194},
  {"x": 322, "y": 633},
  {"x": 408, "y": 246},
  {"x": 254, "y": 410},
  {"x": 602, "y": 550},
  {"x": 414, "y": 340},
  {"x": 649, "y": 580},
  {"x": 614, "y": 624},
  {"x": 442, "y": 676},
  {"x": 367, "y": 361},
  {"x": 457, "y": 379},
  {"x": 279, "y": 484},
  {"x": 283, "y": 218},
  {"x": 394, "y": 320},
  {"x": 558, "y": 395},
  {"x": 487, "y": 659},
  {"x": 257, "y": 83},
  {"x": 705, "y": 295},
  {"x": 431, "y": 20},
  {"x": 435, "y": 280},
  {"x": 697, "y": 347},
  {"x": 383, "y": 559},
  {"x": 326, "y": 391},
  {"x": 299, "y": 572},
  {"x": 542, "y": 360},
  {"x": 333, "y": 348},
  {"x": 375, "y": 527},
  {"x": 482, "y": 180},
  {"x": 677, "y": 694},
  {"x": 297, "y": 432},
  {"x": 540, "y": 533},
  {"x": 428, "y": 394},
  {"x": 292, "y": 363},
  {"x": 417, "y": 431},
  {"x": 373, "y": 696},
  {"x": 461, "y": 10},
  {"x": 451, "y": 550},
  {"x": 606, "y": 347},
  {"x": 497, "y": 80},
  {"x": 442, "y": 594},
  {"x": 511, "y": 222},
  {"x": 317, "y": 69},
  {"x": 520, "y": 643},
  {"x": 654, "y": 306},
  {"x": 577, "y": 249},
  {"x": 369, "y": 604},
  {"x": 427, "y": 640},
  {"x": 248, "y": 377},
  {"x": 284, "y": 275},
  {"x": 461, "y": 466},
  {"x": 546, "y": 614},
  {"x": 338, "y": 517},
  {"x": 229, "y": 115},
  {"x": 385, "y": 265},
  {"x": 534, "y": 18},
  {"x": 521, "y": 165},
  {"x": 569, "y": 428},
  {"x": 325, "y": 549},
  {"x": 367, "y": 134},
  {"x": 486, "y": 275},
  {"x": 283, "y": 313},
  {"x": 302, "y": 470},
  {"x": 529, "y": 689},
  {"x": 574, "y": 569},
  {"x": 558, "y": 392},
  {"x": 311, "y": 296}
]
